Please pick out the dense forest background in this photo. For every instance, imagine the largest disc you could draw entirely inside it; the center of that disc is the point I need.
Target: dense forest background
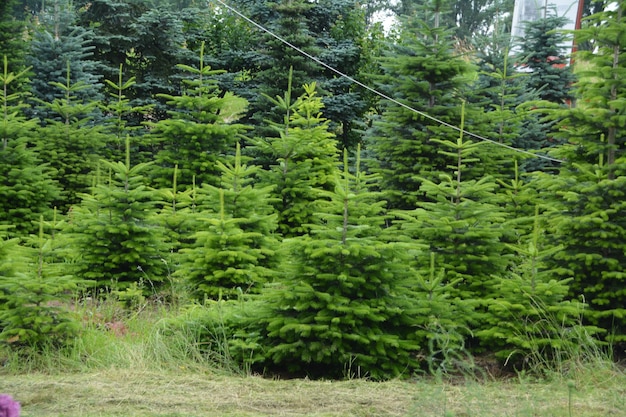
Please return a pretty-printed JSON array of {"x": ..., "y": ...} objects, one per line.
[{"x": 174, "y": 151}]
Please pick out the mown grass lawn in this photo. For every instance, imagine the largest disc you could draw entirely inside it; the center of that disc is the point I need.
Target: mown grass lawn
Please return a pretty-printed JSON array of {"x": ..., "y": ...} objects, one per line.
[
  {"x": 127, "y": 365},
  {"x": 128, "y": 392}
]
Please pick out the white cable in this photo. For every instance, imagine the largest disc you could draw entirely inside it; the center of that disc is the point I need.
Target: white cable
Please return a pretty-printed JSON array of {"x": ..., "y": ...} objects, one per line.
[{"x": 383, "y": 95}]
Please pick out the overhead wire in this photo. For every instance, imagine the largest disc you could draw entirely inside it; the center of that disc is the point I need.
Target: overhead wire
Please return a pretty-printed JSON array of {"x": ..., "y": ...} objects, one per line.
[{"x": 379, "y": 93}]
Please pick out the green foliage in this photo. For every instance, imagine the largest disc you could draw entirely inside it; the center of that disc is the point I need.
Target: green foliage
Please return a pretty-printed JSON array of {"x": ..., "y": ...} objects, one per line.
[
  {"x": 26, "y": 189},
  {"x": 462, "y": 226},
  {"x": 588, "y": 223},
  {"x": 160, "y": 39},
  {"x": 463, "y": 223},
  {"x": 35, "y": 313},
  {"x": 439, "y": 321},
  {"x": 590, "y": 189},
  {"x": 424, "y": 72},
  {"x": 550, "y": 79},
  {"x": 12, "y": 42},
  {"x": 57, "y": 45},
  {"x": 200, "y": 130},
  {"x": 122, "y": 117},
  {"x": 233, "y": 248},
  {"x": 596, "y": 125},
  {"x": 113, "y": 236},
  {"x": 531, "y": 312},
  {"x": 229, "y": 256},
  {"x": 70, "y": 142},
  {"x": 302, "y": 160},
  {"x": 342, "y": 305}
]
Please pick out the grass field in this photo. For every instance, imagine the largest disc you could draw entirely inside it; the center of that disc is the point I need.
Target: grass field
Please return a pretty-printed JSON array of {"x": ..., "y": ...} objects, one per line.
[
  {"x": 132, "y": 392},
  {"x": 129, "y": 367}
]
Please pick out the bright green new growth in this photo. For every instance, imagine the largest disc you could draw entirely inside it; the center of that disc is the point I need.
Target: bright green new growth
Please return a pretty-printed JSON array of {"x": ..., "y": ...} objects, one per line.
[
  {"x": 34, "y": 296},
  {"x": 200, "y": 130},
  {"x": 340, "y": 308},
  {"x": 233, "y": 249},
  {"x": 113, "y": 233},
  {"x": 26, "y": 189},
  {"x": 302, "y": 160}
]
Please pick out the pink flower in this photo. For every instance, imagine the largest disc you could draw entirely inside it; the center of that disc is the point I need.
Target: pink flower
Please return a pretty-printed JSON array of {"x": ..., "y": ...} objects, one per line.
[{"x": 8, "y": 407}]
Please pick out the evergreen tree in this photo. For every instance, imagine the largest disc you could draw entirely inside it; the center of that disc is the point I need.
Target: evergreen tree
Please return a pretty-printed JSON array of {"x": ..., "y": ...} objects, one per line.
[
  {"x": 462, "y": 226},
  {"x": 200, "y": 129},
  {"x": 468, "y": 18},
  {"x": 341, "y": 308},
  {"x": 26, "y": 189},
  {"x": 234, "y": 248},
  {"x": 302, "y": 160},
  {"x": 333, "y": 31},
  {"x": 69, "y": 141},
  {"x": 589, "y": 224},
  {"x": 543, "y": 53},
  {"x": 12, "y": 29},
  {"x": 111, "y": 40},
  {"x": 159, "y": 41},
  {"x": 531, "y": 317},
  {"x": 589, "y": 213},
  {"x": 57, "y": 44},
  {"x": 119, "y": 247},
  {"x": 34, "y": 315},
  {"x": 425, "y": 73},
  {"x": 120, "y": 124}
]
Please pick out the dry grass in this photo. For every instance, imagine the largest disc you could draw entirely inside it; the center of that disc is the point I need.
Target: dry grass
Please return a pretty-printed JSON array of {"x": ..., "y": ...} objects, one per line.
[{"x": 141, "y": 393}]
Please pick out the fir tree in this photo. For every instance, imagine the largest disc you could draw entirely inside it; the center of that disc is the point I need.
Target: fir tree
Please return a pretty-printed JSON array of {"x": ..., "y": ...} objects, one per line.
[
  {"x": 57, "y": 44},
  {"x": 111, "y": 231},
  {"x": 341, "y": 306},
  {"x": 531, "y": 315},
  {"x": 26, "y": 189},
  {"x": 70, "y": 142},
  {"x": 34, "y": 315},
  {"x": 588, "y": 223},
  {"x": 302, "y": 159},
  {"x": 425, "y": 73},
  {"x": 589, "y": 215},
  {"x": 120, "y": 123},
  {"x": 200, "y": 130},
  {"x": 234, "y": 250},
  {"x": 12, "y": 40},
  {"x": 550, "y": 78},
  {"x": 462, "y": 226},
  {"x": 158, "y": 42}
]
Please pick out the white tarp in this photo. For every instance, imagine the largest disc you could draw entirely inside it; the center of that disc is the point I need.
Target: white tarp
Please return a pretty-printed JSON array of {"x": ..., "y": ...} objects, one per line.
[{"x": 531, "y": 10}]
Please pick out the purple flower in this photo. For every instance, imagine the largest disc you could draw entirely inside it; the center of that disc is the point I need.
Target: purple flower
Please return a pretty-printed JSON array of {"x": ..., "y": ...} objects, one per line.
[{"x": 8, "y": 407}]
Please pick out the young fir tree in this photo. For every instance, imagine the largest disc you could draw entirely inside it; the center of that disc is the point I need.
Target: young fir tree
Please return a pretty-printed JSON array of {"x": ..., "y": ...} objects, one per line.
[
  {"x": 160, "y": 42},
  {"x": 234, "y": 248},
  {"x": 13, "y": 43},
  {"x": 177, "y": 216},
  {"x": 70, "y": 142},
  {"x": 200, "y": 130},
  {"x": 302, "y": 159},
  {"x": 34, "y": 313},
  {"x": 550, "y": 77},
  {"x": 462, "y": 226},
  {"x": 426, "y": 73},
  {"x": 589, "y": 211},
  {"x": 26, "y": 189},
  {"x": 121, "y": 121},
  {"x": 334, "y": 31},
  {"x": 342, "y": 307},
  {"x": 531, "y": 316},
  {"x": 57, "y": 44},
  {"x": 111, "y": 230}
]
